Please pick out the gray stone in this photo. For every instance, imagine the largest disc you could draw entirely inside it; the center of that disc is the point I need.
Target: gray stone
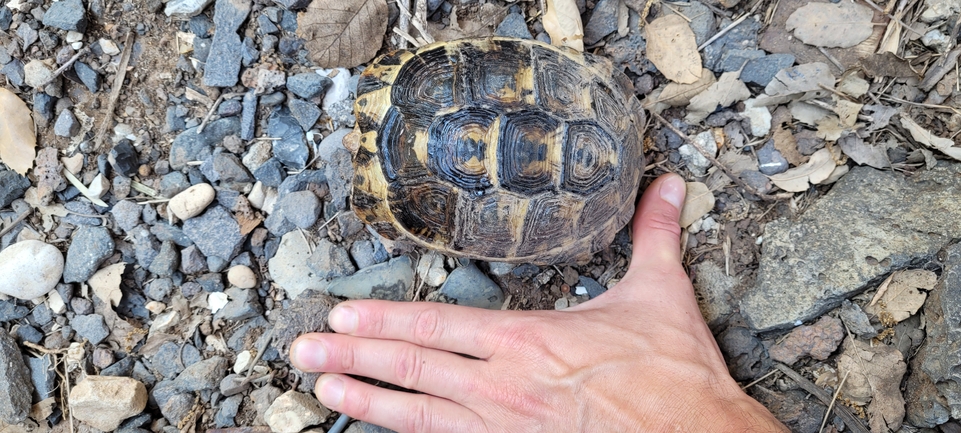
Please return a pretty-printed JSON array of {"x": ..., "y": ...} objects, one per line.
[
  {"x": 594, "y": 289},
  {"x": 66, "y": 125},
  {"x": 305, "y": 112},
  {"x": 10, "y": 311},
  {"x": 514, "y": 26},
  {"x": 90, "y": 327},
  {"x": 308, "y": 85},
  {"x": 244, "y": 304},
  {"x": 29, "y": 333},
  {"x": 43, "y": 376},
  {"x": 228, "y": 411},
  {"x": 14, "y": 72},
  {"x": 332, "y": 143},
  {"x": 166, "y": 232},
  {"x": 159, "y": 289},
  {"x": 856, "y": 320},
  {"x": 77, "y": 208},
  {"x": 288, "y": 267},
  {"x": 770, "y": 161},
  {"x": 43, "y": 105},
  {"x": 469, "y": 286},
  {"x": 289, "y": 148},
  {"x": 330, "y": 260},
  {"x": 225, "y": 167},
  {"x": 202, "y": 375},
  {"x": 744, "y": 353},
  {"x": 215, "y": 232},
  {"x": 89, "y": 77},
  {"x": 173, "y": 183},
  {"x": 736, "y": 59},
  {"x": 248, "y": 115},
  {"x": 742, "y": 36},
  {"x": 301, "y": 181},
  {"x": 126, "y": 214},
  {"x": 388, "y": 281},
  {"x": 12, "y": 187},
  {"x": 89, "y": 247},
  {"x": 123, "y": 158},
  {"x": 185, "y": 8},
  {"x": 6, "y": 18},
  {"x": 190, "y": 146},
  {"x": 362, "y": 251},
  {"x": 762, "y": 70},
  {"x": 233, "y": 384},
  {"x": 277, "y": 224},
  {"x": 230, "y": 107},
  {"x": 603, "y": 21},
  {"x": 66, "y": 15},
  {"x": 15, "y": 386},
  {"x": 702, "y": 20},
  {"x": 292, "y": 5},
  {"x": 174, "y": 404},
  {"x": 302, "y": 208},
  {"x": 270, "y": 173},
  {"x": 226, "y": 51},
  {"x": 339, "y": 173},
  {"x": 192, "y": 261},
  {"x": 167, "y": 360},
  {"x": 871, "y": 223},
  {"x": 174, "y": 120},
  {"x": 166, "y": 261},
  {"x": 211, "y": 282}
]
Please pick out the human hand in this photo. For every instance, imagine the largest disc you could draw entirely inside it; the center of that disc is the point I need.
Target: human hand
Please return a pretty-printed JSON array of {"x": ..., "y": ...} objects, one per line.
[{"x": 637, "y": 358}]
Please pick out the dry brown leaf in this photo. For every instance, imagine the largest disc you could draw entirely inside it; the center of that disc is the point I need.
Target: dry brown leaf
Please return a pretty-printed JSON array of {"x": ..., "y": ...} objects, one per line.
[
  {"x": 807, "y": 113},
  {"x": 880, "y": 116},
  {"x": 562, "y": 21},
  {"x": 697, "y": 203},
  {"x": 887, "y": 65},
  {"x": 726, "y": 91},
  {"x": 816, "y": 170},
  {"x": 864, "y": 154},
  {"x": 468, "y": 23},
  {"x": 902, "y": 294},
  {"x": 785, "y": 143},
  {"x": 830, "y": 128},
  {"x": 17, "y": 138},
  {"x": 678, "y": 95},
  {"x": 874, "y": 375},
  {"x": 847, "y": 111},
  {"x": 106, "y": 283},
  {"x": 830, "y": 25},
  {"x": 737, "y": 163},
  {"x": 343, "y": 33},
  {"x": 672, "y": 48},
  {"x": 927, "y": 138}
]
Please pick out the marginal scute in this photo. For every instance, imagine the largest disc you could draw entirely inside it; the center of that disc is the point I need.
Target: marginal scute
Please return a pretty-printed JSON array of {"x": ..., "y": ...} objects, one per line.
[
  {"x": 548, "y": 223},
  {"x": 424, "y": 209}
]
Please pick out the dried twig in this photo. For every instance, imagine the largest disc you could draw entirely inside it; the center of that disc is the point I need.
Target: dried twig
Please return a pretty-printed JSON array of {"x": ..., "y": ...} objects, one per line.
[
  {"x": 723, "y": 32},
  {"x": 14, "y": 223},
  {"x": 115, "y": 90},
  {"x": 64, "y": 67},
  {"x": 834, "y": 399},
  {"x": 850, "y": 420},
  {"x": 758, "y": 380},
  {"x": 718, "y": 164},
  {"x": 892, "y": 17}
]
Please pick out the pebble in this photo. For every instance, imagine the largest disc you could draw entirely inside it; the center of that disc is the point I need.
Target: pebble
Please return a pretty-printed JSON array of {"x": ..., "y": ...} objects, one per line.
[
  {"x": 308, "y": 85},
  {"x": 262, "y": 399},
  {"x": 514, "y": 26},
  {"x": 43, "y": 105},
  {"x": 248, "y": 115},
  {"x": 696, "y": 162},
  {"x": 242, "y": 362},
  {"x": 288, "y": 267},
  {"x": 90, "y": 327},
  {"x": 192, "y": 201},
  {"x": 202, "y": 375},
  {"x": 89, "y": 77},
  {"x": 742, "y": 36},
  {"x": 734, "y": 60},
  {"x": 66, "y": 15},
  {"x": 226, "y": 168},
  {"x": 103, "y": 402},
  {"x": 759, "y": 116},
  {"x": 243, "y": 304},
  {"x": 108, "y": 47},
  {"x": 339, "y": 89},
  {"x": 591, "y": 286},
  {"x": 174, "y": 404},
  {"x": 242, "y": 276},
  {"x": 12, "y": 187},
  {"x": 185, "y": 8},
  {"x": 339, "y": 173},
  {"x": 6, "y": 18},
  {"x": 937, "y": 41},
  {"x": 226, "y": 51},
  {"x": 14, "y": 72},
  {"x": 305, "y": 112},
  {"x": 126, "y": 214},
  {"x": 817, "y": 341},
  {"x": 271, "y": 173},
  {"x": 30, "y": 269},
  {"x": 289, "y": 147},
  {"x": 603, "y": 21},
  {"x": 770, "y": 161},
  {"x": 36, "y": 73},
  {"x": 89, "y": 247},
  {"x": 745, "y": 353},
  {"x": 469, "y": 286},
  {"x": 15, "y": 385},
  {"x": 234, "y": 384},
  {"x": 431, "y": 269},
  {"x": 857, "y": 320},
  {"x": 216, "y": 233},
  {"x": 228, "y": 411},
  {"x": 43, "y": 376},
  {"x": 189, "y": 146},
  {"x": 302, "y": 208},
  {"x": 332, "y": 143},
  {"x": 293, "y": 412},
  {"x": 762, "y": 70},
  {"x": 330, "y": 260},
  {"x": 123, "y": 158},
  {"x": 389, "y": 281},
  {"x": 159, "y": 288}
]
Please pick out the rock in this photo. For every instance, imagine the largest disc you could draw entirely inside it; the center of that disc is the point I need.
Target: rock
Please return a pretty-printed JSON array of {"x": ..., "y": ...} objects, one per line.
[
  {"x": 332, "y": 143},
  {"x": 469, "y": 286},
  {"x": 513, "y": 26},
  {"x": 696, "y": 162},
  {"x": 203, "y": 375},
  {"x": 43, "y": 376},
  {"x": 388, "y": 281},
  {"x": 330, "y": 260},
  {"x": 308, "y": 85},
  {"x": 339, "y": 89},
  {"x": 593, "y": 288},
  {"x": 166, "y": 261},
  {"x": 225, "y": 168},
  {"x": 192, "y": 201},
  {"x": 190, "y": 146},
  {"x": 175, "y": 405},
  {"x": 126, "y": 214},
  {"x": 228, "y": 411},
  {"x": 248, "y": 115},
  {"x": 15, "y": 385},
  {"x": 289, "y": 147},
  {"x": 937, "y": 41},
  {"x": 742, "y": 36},
  {"x": 14, "y": 72},
  {"x": 66, "y": 125},
  {"x": 89, "y": 77},
  {"x": 242, "y": 276},
  {"x": 123, "y": 158},
  {"x": 715, "y": 290},
  {"x": 744, "y": 353},
  {"x": 216, "y": 233},
  {"x": 340, "y": 174},
  {"x": 12, "y": 187},
  {"x": 271, "y": 173},
  {"x": 936, "y": 10},
  {"x": 293, "y": 411},
  {"x": 36, "y": 73},
  {"x": 302, "y": 208},
  {"x": 89, "y": 247},
  {"x": 185, "y": 8},
  {"x": 159, "y": 289},
  {"x": 762, "y": 70},
  {"x": 702, "y": 20},
  {"x": 226, "y": 50},
  {"x": 288, "y": 267},
  {"x": 90, "y": 327},
  {"x": 603, "y": 21},
  {"x": 243, "y": 304},
  {"x": 305, "y": 113},
  {"x": 856, "y": 320},
  {"x": 104, "y": 402},
  {"x": 736, "y": 59},
  {"x": 817, "y": 341},
  {"x": 30, "y": 269},
  {"x": 770, "y": 161},
  {"x": 66, "y": 15},
  {"x": 847, "y": 242},
  {"x": 6, "y": 18},
  {"x": 262, "y": 398}
]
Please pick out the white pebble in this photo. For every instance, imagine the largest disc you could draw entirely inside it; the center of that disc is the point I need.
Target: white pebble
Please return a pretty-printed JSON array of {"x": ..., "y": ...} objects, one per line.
[
  {"x": 192, "y": 201},
  {"x": 109, "y": 47},
  {"x": 55, "y": 302},
  {"x": 339, "y": 90},
  {"x": 216, "y": 301},
  {"x": 561, "y": 303},
  {"x": 242, "y": 276},
  {"x": 73, "y": 36},
  {"x": 242, "y": 362},
  {"x": 30, "y": 269}
]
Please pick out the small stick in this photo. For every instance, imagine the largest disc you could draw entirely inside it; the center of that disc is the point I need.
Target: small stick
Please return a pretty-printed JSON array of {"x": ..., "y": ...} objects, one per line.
[
  {"x": 892, "y": 17},
  {"x": 44, "y": 350},
  {"x": 63, "y": 68},
  {"x": 210, "y": 112},
  {"x": 717, "y": 163},
  {"x": 13, "y": 224},
  {"x": 115, "y": 90},
  {"x": 834, "y": 399},
  {"x": 834, "y": 61},
  {"x": 758, "y": 380},
  {"x": 849, "y": 419},
  {"x": 723, "y": 32}
]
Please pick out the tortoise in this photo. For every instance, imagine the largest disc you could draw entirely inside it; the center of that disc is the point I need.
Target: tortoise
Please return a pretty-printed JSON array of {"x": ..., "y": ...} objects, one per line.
[{"x": 497, "y": 149}]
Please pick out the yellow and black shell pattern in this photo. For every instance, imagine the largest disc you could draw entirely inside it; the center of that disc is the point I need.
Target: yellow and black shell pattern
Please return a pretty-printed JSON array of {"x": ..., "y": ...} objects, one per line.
[{"x": 497, "y": 149}]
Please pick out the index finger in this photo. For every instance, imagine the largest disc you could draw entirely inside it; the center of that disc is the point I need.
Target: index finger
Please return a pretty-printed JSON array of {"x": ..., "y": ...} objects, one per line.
[{"x": 453, "y": 328}]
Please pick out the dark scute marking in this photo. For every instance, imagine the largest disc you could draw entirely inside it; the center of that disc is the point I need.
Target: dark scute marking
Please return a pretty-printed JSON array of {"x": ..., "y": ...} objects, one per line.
[
  {"x": 588, "y": 152},
  {"x": 559, "y": 83},
  {"x": 598, "y": 210},
  {"x": 456, "y": 147},
  {"x": 391, "y": 59},
  {"x": 365, "y": 122},
  {"x": 385, "y": 229},
  {"x": 369, "y": 83},
  {"x": 485, "y": 225},
  {"x": 396, "y": 146},
  {"x": 425, "y": 209},
  {"x": 426, "y": 83},
  {"x": 549, "y": 224},
  {"x": 525, "y": 139},
  {"x": 493, "y": 70},
  {"x": 359, "y": 179},
  {"x": 610, "y": 109}
]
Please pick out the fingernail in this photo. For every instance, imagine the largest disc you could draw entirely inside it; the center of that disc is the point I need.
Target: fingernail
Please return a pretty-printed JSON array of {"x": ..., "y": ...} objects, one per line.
[
  {"x": 672, "y": 190},
  {"x": 343, "y": 319},
  {"x": 309, "y": 354},
  {"x": 331, "y": 391}
]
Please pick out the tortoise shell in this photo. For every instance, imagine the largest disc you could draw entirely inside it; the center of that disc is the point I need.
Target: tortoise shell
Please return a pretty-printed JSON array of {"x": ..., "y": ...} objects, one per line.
[{"x": 497, "y": 149}]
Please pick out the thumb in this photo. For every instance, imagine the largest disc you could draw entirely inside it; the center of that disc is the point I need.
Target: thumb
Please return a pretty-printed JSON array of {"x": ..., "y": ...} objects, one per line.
[{"x": 656, "y": 230}]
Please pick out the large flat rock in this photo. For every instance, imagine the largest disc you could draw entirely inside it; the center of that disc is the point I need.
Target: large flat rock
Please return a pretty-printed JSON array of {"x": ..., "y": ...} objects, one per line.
[{"x": 871, "y": 223}]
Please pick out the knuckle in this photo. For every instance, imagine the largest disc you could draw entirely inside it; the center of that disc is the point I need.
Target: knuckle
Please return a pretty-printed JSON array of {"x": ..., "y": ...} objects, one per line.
[
  {"x": 357, "y": 404},
  {"x": 663, "y": 221},
  {"x": 426, "y": 326},
  {"x": 408, "y": 367},
  {"x": 418, "y": 416},
  {"x": 518, "y": 334},
  {"x": 347, "y": 358}
]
